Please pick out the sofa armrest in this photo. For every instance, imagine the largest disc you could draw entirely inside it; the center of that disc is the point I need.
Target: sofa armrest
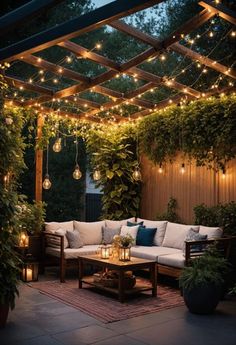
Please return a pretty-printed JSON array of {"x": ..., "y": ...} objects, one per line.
[
  {"x": 47, "y": 236},
  {"x": 223, "y": 244}
]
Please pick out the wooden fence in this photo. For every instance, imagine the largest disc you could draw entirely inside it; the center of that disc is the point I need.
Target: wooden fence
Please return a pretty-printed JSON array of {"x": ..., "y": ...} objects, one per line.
[{"x": 195, "y": 186}]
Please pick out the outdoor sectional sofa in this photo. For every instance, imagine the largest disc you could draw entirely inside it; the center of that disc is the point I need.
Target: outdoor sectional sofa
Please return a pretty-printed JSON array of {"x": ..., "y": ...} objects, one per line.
[{"x": 170, "y": 248}]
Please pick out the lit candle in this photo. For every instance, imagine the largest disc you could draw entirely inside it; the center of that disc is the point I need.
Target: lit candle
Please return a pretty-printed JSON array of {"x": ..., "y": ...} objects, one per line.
[
  {"x": 105, "y": 252},
  {"x": 27, "y": 274},
  {"x": 24, "y": 240}
]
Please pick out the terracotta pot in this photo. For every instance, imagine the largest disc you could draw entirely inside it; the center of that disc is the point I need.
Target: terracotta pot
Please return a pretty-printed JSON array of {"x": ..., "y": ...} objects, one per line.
[{"x": 4, "y": 309}]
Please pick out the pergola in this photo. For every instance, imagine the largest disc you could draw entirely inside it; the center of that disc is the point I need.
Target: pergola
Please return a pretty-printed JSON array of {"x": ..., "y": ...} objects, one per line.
[{"x": 45, "y": 99}]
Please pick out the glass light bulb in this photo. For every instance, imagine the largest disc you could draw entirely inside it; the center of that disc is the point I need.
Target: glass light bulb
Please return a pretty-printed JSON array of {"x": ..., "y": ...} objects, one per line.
[
  {"x": 182, "y": 169},
  {"x": 160, "y": 169},
  {"x": 96, "y": 175},
  {"x": 47, "y": 183},
  {"x": 77, "y": 173},
  {"x": 57, "y": 145},
  {"x": 137, "y": 174}
]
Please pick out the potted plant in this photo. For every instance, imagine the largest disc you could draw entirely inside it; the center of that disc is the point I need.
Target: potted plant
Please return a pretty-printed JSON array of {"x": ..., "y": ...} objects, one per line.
[
  {"x": 203, "y": 280},
  {"x": 9, "y": 274}
]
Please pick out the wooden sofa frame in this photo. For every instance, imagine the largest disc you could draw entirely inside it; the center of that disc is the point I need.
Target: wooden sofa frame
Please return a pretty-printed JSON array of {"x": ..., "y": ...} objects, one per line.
[{"x": 223, "y": 244}]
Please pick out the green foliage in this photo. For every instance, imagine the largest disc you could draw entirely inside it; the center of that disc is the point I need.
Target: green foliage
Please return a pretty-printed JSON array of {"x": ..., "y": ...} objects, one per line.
[
  {"x": 170, "y": 214},
  {"x": 30, "y": 216},
  {"x": 204, "y": 130},
  {"x": 210, "y": 268},
  {"x": 113, "y": 151},
  {"x": 223, "y": 215},
  {"x": 9, "y": 268},
  {"x": 11, "y": 165}
]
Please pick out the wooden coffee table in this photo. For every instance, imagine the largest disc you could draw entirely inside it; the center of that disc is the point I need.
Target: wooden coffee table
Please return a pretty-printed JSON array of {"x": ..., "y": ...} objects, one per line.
[{"x": 121, "y": 267}]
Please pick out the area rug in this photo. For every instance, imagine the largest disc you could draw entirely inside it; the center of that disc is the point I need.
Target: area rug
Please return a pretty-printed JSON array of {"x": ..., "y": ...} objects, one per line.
[{"x": 107, "y": 308}]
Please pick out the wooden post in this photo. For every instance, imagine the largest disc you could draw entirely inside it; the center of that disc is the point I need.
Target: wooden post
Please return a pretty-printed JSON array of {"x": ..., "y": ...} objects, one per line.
[{"x": 39, "y": 161}]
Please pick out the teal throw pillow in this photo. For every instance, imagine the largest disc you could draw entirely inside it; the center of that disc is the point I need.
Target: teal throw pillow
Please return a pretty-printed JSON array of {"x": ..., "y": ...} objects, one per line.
[{"x": 145, "y": 236}]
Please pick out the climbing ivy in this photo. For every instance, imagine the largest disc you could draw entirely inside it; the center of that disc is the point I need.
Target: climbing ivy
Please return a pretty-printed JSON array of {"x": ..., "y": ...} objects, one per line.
[
  {"x": 204, "y": 130},
  {"x": 112, "y": 151}
]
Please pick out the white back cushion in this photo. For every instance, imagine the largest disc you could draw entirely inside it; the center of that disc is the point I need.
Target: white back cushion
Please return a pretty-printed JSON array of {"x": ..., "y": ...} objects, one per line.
[
  {"x": 54, "y": 226},
  {"x": 129, "y": 230},
  {"x": 176, "y": 234},
  {"x": 114, "y": 224},
  {"x": 90, "y": 232},
  {"x": 161, "y": 229},
  {"x": 210, "y": 231}
]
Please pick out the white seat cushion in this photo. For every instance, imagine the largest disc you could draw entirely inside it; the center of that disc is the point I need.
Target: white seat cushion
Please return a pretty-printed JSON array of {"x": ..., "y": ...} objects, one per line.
[
  {"x": 114, "y": 224},
  {"x": 176, "y": 234},
  {"x": 91, "y": 233},
  {"x": 173, "y": 260},
  {"x": 73, "y": 253},
  {"x": 210, "y": 231},
  {"x": 161, "y": 229},
  {"x": 152, "y": 253},
  {"x": 51, "y": 227}
]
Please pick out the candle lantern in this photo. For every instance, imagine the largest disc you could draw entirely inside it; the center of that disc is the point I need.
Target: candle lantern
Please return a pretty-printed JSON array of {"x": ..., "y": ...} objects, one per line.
[
  {"x": 105, "y": 251},
  {"x": 124, "y": 254},
  {"x": 23, "y": 240},
  {"x": 29, "y": 272}
]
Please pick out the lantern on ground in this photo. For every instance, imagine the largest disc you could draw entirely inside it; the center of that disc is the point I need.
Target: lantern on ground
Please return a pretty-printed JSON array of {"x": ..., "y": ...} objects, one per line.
[{"x": 29, "y": 272}]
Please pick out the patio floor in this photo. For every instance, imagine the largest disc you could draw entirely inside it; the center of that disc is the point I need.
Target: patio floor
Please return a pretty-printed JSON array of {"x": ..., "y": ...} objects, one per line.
[{"x": 40, "y": 320}]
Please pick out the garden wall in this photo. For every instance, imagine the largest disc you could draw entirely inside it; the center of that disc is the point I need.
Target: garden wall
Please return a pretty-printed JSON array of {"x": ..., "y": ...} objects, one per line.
[{"x": 197, "y": 185}]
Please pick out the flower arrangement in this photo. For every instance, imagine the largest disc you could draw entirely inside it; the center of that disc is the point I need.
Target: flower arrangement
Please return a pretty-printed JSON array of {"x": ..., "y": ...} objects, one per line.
[{"x": 123, "y": 241}]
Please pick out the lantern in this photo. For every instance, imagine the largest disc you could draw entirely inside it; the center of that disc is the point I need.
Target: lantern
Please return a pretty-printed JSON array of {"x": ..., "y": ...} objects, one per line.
[
  {"x": 124, "y": 254},
  {"x": 29, "y": 272},
  {"x": 23, "y": 240},
  {"x": 105, "y": 251}
]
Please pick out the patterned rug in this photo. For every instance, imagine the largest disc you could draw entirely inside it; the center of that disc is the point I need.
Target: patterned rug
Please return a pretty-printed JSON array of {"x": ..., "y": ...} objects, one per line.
[{"x": 107, "y": 308}]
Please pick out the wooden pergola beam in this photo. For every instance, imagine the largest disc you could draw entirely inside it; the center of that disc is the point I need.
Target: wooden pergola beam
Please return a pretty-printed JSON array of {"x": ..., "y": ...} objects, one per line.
[
  {"x": 87, "y": 54},
  {"x": 217, "y": 8},
  {"x": 51, "y": 67},
  {"x": 16, "y": 82},
  {"x": 178, "y": 48},
  {"x": 74, "y": 27},
  {"x": 27, "y": 11}
]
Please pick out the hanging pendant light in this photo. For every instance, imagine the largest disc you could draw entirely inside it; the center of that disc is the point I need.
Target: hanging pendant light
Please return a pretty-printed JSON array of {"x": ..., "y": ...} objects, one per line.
[
  {"x": 57, "y": 145},
  {"x": 76, "y": 173},
  {"x": 97, "y": 174},
  {"x": 46, "y": 182},
  {"x": 160, "y": 169},
  {"x": 137, "y": 176},
  {"x": 182, "y": 169}
]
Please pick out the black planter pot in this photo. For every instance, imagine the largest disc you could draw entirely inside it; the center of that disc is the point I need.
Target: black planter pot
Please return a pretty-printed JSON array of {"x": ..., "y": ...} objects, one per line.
[{"x": 202, "y": 299}]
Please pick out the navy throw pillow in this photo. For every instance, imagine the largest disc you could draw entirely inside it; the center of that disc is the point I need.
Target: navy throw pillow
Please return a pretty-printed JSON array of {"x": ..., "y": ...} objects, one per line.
[{"x": 145, "y": 236}]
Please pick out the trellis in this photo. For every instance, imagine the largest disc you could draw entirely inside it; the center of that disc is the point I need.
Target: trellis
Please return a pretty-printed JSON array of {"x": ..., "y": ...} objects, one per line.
[{"x": 111, "y": 15}]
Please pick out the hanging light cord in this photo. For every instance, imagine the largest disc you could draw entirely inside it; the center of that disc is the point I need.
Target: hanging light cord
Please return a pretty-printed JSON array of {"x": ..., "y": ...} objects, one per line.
[
  {"x": 47, "y": 161},
  {"x": 76, "y": 147}
]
